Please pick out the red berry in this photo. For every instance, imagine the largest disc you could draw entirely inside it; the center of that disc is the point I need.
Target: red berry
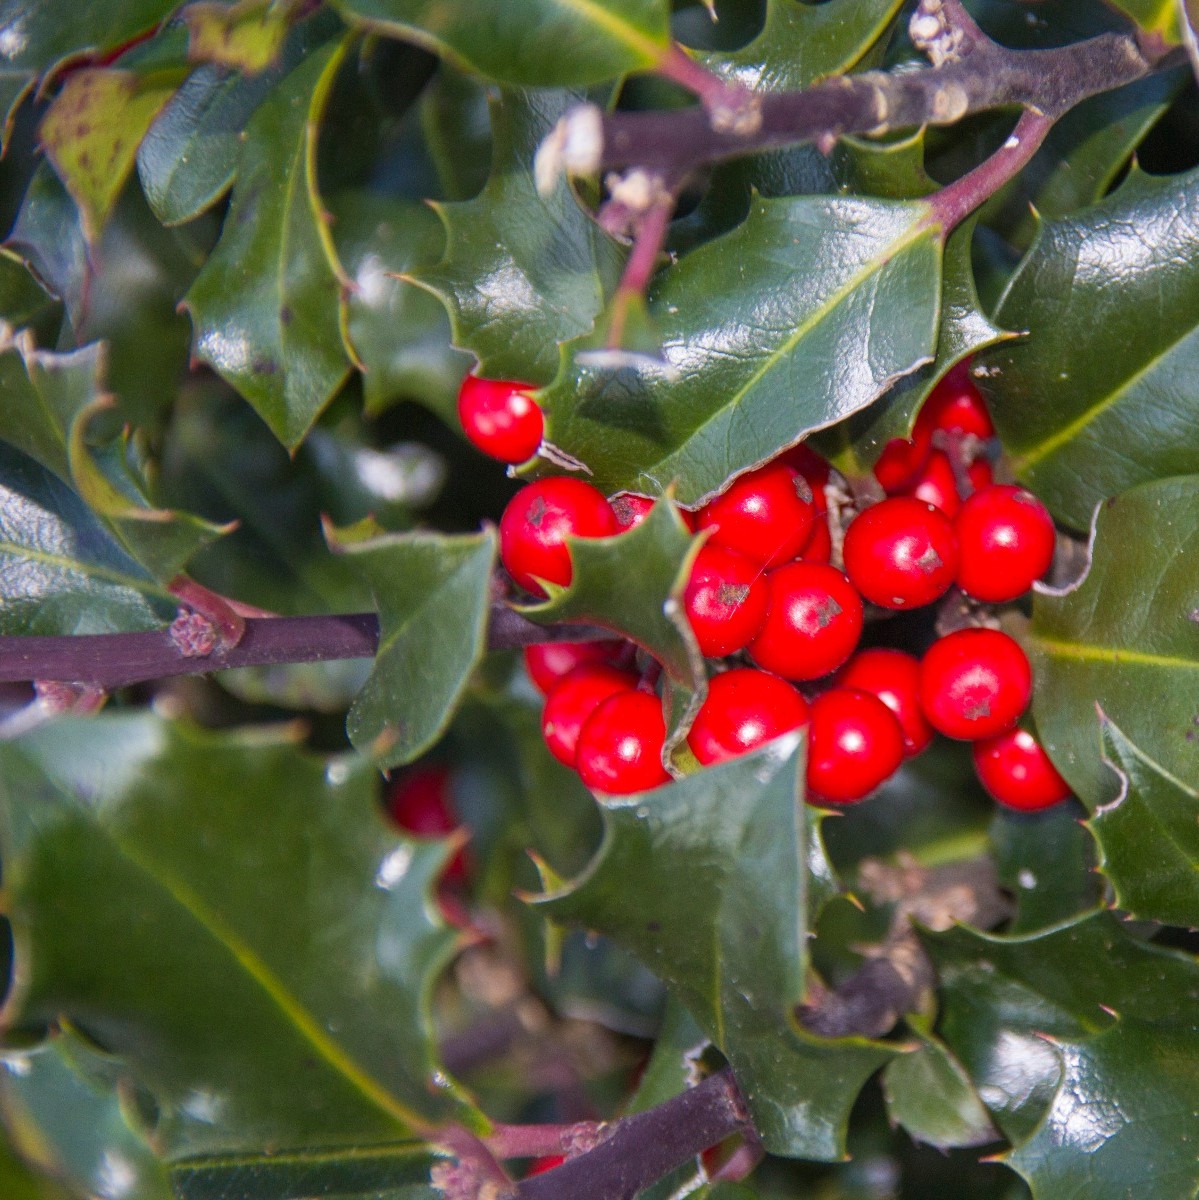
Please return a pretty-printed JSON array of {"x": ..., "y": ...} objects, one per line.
[
  {"x": 980, "y": 474},
  {"x": 854, "y": 744},
  {"x": 813, "y": 621},
  {"x": 820, "y": 545},
  {"x": 500, "y": 418},
  {"x": 629, "y": 509},
  {"x": 899, "y": 465},
  {"x": 547, "y": 1162},
  {"x": 549, "y": 662},
  {"x": 974, "y": 683},
  {"x": 955, "y": 404},
  {"x": 744, "y": 708},
  {"x": 766, "y": 515},
  {"x": 725, "y": 601},
  {"x": 1017, "y": 772},
  {"x": 809, "y": 464},
  {"x": 894, "y": 677},
  {"x": 620, "y": 748},
  {"x": 937, "y": 485},
  {"x": 419, "y": 802},
  {"x": 901, "y": 553},
  {"x": 537, "y": 521},
  {"x": 575, "y": 698},
  {"x": 1006, "y": 541}
]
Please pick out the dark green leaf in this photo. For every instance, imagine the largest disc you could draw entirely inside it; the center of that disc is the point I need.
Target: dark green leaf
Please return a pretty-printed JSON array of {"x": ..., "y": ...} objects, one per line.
[
  {"x": 456, "y": 124},
  {"x": 731, "y": 944},
  {"x": 1149, "y": 836},
  {"x": 23, "y": 299},
  {"x": 752, "y": 362},
  {"x": 1082, "y": 426},
  {"x": 522, "y": 272},
  {"x": 1125, "y": 640},
  {"x": 801, "y": 42},
  {"x": 267, "y": 304},
  {"x": 61, "y": 1101},
  {"x": 672, "y": 1066},
  {"x": 542, "y": 43},
  {"x": 400, "y": 333},
  {"x": 433, "y": 592},
  {"x": 232, "y": 918}
]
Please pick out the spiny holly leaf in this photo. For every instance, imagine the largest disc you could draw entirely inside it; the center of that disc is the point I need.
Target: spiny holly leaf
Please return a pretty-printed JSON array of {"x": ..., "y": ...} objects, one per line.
[
  {"x": 230, "y": 917},
  {"x": 93, "y": 129},
  {"x": 538, "y": 43},
  {"x": 1129, "y": 648},
  {"x": 247, "y": 36},
  {"x": 930, "y": 1095},
  {"x": 801, "y": 42},
  {"x": 1082, "y": 1043},
  {"x": 51, "y": 400},
  {"x": 632, "y": 584},
  {"x": 1082, "y": 426},
  {"x": 1149, "y": 836},
  {"x": 752, "y": 363},
  {"x": 732, "y": 943},
  {"x": 400, "y": 333},
  {"x": 522, "y": 272},
  {"x": 62, "y": 1105},
  {"x": 434, "y": 593},
  {"x": 267, "y": 305}
]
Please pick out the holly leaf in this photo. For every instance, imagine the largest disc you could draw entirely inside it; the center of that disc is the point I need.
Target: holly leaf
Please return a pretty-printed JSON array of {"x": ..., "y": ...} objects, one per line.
[
  {"x": 588, "y": 41},
  {"x": 62, "y": 1103},
  {"x": 732, "y": 945},
  {"x": 145, "y": 862},
  {"x": 802, "y": 42},
  {"x": 1152, "y": 16},
  {"x": 633, "y": 584},
  {"x": 522, "y": 272},
  {"x": 266, "y": 306},
  {"x": 751, "y": 363},
  {"x": 1148, "y": 836},
  {"x": 1126, "y": 416},
  {"x": 1115, "y": 643},
  {"x": 433, "y": 592},
  {"x": 672, "y": 1067},
  {"x": 92, "y": 131},
  {"x": 246, "y": 36},
  {"x": 400, "y": 333}
]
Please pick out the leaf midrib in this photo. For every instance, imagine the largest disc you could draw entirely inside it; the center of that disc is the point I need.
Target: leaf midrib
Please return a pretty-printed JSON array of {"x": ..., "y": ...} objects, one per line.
[
  {"x": 146, "y": 587},
  {"x": 1117, "y": 656}
]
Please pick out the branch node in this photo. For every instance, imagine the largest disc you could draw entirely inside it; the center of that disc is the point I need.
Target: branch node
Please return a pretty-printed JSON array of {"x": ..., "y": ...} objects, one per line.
[
  {"x": 193, "y": 634},
  {"x": 742, "y": 117},
  {"x": 933, "y": 34},
  {"x": 56, "y": 698},
  {"x": 575, "y": 146}
]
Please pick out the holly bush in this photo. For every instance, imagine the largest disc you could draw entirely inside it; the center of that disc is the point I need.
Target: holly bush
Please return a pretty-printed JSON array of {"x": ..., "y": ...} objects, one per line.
[{"x": 297, "y": 901}]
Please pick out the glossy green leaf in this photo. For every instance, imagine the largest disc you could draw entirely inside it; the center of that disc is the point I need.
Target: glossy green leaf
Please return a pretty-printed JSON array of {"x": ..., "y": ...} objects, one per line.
[
  {"x": 1082, "y": 426},
  {"x": 801, "y": 42},
  {"x": 400, "y": 333},
  {"x": 1149, "y": 836},
  {"x": 433, "y": 592},
  {"x": 93, "y": 129},
  {"x": 231, "y": 917},
  {"x": 753, "y": 363},
  {"x": 62, "y": 1104},
  {"x": 930, "y": 1095},
  {"x": 266, "y": 306},
  {"x": 732, "y": 943},
  {"x": 1117, "y": 644},
  {"x": 246, "y": 36},
  {"x": 539, "y": 43},
  {"x": 632, "y": 584},
  {"x": 522, "y": 272}
]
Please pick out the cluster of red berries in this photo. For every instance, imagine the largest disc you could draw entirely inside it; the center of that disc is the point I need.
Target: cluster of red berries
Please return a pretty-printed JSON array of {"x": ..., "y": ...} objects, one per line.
[{"x": 763, "y": 585}]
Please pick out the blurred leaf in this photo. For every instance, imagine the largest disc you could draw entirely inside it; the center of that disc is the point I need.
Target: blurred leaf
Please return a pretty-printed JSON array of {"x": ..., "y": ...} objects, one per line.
[
  {"x": 1153, "y": 16},
  {"x": 800, "y": 42},
  {"x": 753, "y": 363},
  {"x": 1121, "y": 644},
  {"x": 400, "y": 332},
  {"x": 539, "y": 43},
  {"x": 632, "y": 584},
  {"x": 672, "y": 1067},
  {"x": 433, "y": 592},
  {"x": 23, "y": 298},
  {"x": 63, "y": 1105},
  {"x": 522, "y": 272},
  {"x": 246, "y": 36},
  {"x": 1149, "y": 836},
  {"x": 456, "y": 124},
  {"x": 92, "y": 131},
  {"x": 1115, "y": 275},
  {"x": 266, "y": 305},
  {"x": 732, "y": 944},
  {"x": 930, "y": 1095},
  {"x": 145, "y": 863},
  {"x": 18, "y": 1181}
]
